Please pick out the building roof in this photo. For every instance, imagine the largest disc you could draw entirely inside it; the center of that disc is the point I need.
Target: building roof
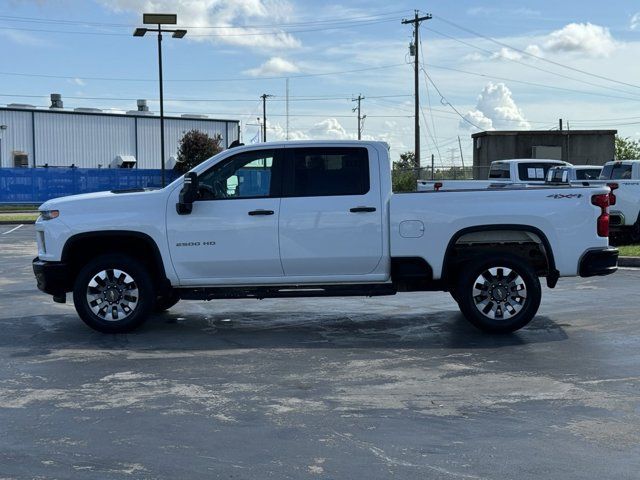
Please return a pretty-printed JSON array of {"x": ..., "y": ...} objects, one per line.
[
  {"x": 188, "y": 117},
  {"x": 497, "y": 133}
]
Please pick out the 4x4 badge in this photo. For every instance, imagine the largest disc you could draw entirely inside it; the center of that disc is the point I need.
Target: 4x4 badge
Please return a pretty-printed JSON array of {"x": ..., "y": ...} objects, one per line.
[{"x": 565, "y": 195}]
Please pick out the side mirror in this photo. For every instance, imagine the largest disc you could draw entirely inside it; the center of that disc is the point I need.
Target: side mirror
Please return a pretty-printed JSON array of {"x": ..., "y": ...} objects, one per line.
[{"x": 188, "y": 194}]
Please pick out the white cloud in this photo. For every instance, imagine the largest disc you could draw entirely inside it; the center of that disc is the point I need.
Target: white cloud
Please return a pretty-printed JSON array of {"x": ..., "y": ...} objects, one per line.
[
  {"x": 635, "y": 21},
  {"x": 78, "y": 81},
  {"x": 477, "y": 118},
  {"x": 506, "y": 54},
  {"x": 227, "y": 16},
  {"x": 330, "y": 129},
  {"x": 274, "y": 66},
  {"x": 496, "y": 110},
  {"x": 534, "y": 50},
  {"x": 275, "y": 131},
  {"x": 587, "y": 38}
]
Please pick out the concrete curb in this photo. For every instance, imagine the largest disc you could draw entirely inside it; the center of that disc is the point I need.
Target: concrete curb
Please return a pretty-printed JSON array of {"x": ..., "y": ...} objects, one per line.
[{"x": 629, "y": 262}]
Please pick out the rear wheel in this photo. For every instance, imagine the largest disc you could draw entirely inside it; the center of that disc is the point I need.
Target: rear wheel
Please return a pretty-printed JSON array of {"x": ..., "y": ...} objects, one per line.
[
  {"x": 113, "y": 293},
  {"x": 499, "y": 293}
]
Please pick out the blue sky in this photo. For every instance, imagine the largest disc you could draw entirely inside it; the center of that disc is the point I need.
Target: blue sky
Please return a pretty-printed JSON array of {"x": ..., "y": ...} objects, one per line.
[{"x": 498, "y": 64}]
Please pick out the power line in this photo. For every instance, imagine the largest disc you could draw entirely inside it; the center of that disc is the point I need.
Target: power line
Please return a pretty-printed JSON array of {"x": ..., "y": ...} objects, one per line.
[
  {"x": 209, "y": 80},
  {"x": 199, "y": 100},
  {"x": 444, "y": 101},
  {"x": 244, "y": 114},
  {"x": 524, "y": 52},
  {"x": 363, "y": 18},
  {"x": 533, "y": 84},
  {"x": 212, "y": 35},
  {"x": 528, "y": 65}
]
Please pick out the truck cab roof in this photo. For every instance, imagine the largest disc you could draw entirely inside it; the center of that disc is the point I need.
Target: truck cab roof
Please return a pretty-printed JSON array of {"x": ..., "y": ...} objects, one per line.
[{"x": 529, "y": 160}]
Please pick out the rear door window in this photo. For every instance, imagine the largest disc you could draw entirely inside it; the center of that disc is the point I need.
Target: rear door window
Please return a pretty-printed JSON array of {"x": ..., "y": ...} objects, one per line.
[
  {"x": 534, "y": 171},
  {"x": 499, "y": 170},
  {"x": 616, "y": 171},
  {"x": 588, "y": 174},
  {"x": 314, "y": 172}
]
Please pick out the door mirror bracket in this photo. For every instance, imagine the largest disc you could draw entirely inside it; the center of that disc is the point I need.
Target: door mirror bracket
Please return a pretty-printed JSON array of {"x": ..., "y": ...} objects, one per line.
[{"x": 188, "y": 194}]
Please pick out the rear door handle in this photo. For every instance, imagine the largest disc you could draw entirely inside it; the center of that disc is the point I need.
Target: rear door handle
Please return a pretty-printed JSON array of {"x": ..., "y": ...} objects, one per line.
[
  {"x": 362, "y": 209},
  {"x": 260, "y": 212}
]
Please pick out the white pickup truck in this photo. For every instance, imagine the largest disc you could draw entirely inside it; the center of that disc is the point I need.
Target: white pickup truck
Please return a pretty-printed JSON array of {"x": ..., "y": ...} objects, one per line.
[
  {"x": 623, "y": 177},
  {"x": 522, "y": 171},
  {"x": 315, "y": 219}
]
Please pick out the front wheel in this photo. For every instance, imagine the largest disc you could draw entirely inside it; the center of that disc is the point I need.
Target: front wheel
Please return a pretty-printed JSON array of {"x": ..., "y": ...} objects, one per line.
[
  {"x": 499, "y": 293},
  {"x": 113, "y": 293}
]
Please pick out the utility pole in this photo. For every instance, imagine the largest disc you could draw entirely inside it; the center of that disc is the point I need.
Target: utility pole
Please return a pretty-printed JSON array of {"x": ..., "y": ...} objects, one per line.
[
  {"x": 264, "y": 97},
  {"x": 360, "y": 117},
  {"x": 415, "y": 52},
  {"x": 461, "y": 156}
]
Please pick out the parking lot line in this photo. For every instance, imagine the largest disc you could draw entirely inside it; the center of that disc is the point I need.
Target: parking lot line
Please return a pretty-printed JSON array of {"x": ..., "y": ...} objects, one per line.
[{"x": 13, "y": 229}]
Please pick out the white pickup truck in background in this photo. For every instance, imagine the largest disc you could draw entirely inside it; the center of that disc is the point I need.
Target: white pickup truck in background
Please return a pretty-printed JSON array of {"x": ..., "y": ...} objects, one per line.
[
  {"x": 501, "y": 172},
  {"x": 623, "y": 177},
  {"x": 315, "y": 219}
]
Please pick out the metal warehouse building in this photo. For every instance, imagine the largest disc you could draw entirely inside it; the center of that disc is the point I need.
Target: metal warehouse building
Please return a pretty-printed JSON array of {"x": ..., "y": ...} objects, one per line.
[
  {"x": 90, "y": 138},
  {"x": 580, "y": 147}
]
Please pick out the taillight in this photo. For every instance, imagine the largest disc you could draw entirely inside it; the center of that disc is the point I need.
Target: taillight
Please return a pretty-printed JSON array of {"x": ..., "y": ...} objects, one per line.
[
  {"x": 612, "y": 196},
  {"x": 437, "y": 186},
  {"x": 602, "y": 201}
]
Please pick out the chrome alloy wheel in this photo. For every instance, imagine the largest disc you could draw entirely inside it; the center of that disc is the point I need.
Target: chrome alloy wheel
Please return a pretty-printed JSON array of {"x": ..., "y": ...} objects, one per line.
[
  {"x": 112, "y": 294},
  {"x": 499, "y": 293}
]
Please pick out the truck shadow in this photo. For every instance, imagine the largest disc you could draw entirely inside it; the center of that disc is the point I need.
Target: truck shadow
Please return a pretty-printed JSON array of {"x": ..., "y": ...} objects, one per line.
[{"x": 295, "y": 330}]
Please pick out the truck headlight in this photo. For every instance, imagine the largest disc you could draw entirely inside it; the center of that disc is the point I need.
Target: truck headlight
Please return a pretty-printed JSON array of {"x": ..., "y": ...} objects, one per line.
[{"x": 49, "y": 214}]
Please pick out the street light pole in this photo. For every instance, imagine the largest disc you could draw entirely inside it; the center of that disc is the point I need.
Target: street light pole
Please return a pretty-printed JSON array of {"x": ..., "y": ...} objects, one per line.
[
  {"x": 160, "y": 19},
  {"x": 161, "y": 107}
]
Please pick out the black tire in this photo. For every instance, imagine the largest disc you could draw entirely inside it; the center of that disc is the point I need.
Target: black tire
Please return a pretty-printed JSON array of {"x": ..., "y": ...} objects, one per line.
[
  {"x": 165, "y": 302},
  {"x": 132, "y": 305},
  {"x": 497, "y": 304},
  {"x": 454, "y": 295}
]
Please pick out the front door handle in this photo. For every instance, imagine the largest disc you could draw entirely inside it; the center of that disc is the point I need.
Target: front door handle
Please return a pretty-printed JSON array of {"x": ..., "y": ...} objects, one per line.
[
  {"x": 261, "y": 212},
  {"x": 362, "y": 209}
]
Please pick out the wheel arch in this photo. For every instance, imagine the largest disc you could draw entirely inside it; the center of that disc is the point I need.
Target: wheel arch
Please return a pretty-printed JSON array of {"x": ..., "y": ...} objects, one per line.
[
  {"x": 449, "y": 263},
  {"x": 84, "y": 246}
]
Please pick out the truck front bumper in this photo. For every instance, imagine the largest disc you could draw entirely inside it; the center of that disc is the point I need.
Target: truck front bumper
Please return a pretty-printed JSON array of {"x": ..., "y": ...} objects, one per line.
[
  {"x": 599, "y": 261},
  {"x": 52, "y": 277}
]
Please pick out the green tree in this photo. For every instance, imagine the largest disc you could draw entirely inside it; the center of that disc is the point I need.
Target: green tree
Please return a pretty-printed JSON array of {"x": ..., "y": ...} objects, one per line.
[
  {"x": 194, "y": 148},
  {"x": 405, "y": 173},
  {"x": 626, "y": 149}
]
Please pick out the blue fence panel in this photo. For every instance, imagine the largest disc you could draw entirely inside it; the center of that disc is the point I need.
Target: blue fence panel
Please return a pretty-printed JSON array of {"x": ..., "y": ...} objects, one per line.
[{"x": 36, "y": 185}]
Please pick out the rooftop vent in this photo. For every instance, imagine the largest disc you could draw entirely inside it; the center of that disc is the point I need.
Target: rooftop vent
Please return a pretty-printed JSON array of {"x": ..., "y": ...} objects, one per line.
[
  {"x": 142, "y": 105},
  {"x": 56, "y": 101},
  {"x": 143, "y": 108}
]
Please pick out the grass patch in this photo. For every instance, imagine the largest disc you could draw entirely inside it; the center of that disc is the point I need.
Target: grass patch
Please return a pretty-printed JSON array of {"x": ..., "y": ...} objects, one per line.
[
  {"x": 629, "y": 250},
  {"x": 19, "y": 208},
  {"x": 18, "y": 217}
]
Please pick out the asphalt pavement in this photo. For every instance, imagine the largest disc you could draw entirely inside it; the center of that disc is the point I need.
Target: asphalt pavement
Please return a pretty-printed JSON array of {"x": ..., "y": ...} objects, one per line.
[{"x": 345, "y": 388}]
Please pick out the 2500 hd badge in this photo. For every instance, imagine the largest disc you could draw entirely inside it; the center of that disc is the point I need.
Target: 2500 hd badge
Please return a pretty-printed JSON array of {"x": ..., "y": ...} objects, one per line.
[{"x": 195, "y": 244}]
